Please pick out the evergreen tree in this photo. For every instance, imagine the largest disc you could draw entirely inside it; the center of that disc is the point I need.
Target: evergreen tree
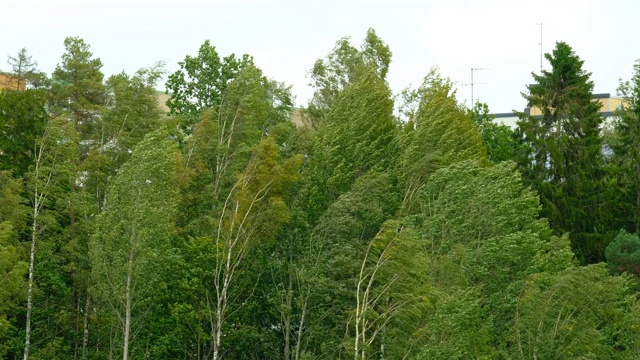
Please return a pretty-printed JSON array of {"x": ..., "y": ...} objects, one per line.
[
  {"x": 560, "y": 152},
  {"x": 627, "y": 150},
  {"x": 22, "y": 120},
  {"x": 77, "y": 87}
]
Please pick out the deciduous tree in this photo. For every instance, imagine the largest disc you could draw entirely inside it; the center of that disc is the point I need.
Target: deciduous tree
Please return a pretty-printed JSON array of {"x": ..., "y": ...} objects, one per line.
[{"x": 133, "y": 235}]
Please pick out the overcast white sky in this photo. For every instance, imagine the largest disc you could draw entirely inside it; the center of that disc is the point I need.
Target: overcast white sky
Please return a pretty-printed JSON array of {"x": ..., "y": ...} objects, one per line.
[{"x": 286, "y": 37}]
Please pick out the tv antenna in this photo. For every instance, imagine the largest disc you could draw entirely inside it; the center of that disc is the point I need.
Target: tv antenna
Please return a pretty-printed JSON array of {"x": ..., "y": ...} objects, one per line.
[
  {"x": 541, "y": 49},
  {"x": 474, "y": 83}
]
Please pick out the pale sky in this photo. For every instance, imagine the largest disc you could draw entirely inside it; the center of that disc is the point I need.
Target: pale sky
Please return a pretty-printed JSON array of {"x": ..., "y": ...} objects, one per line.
[{"x": 286, "y": 37}]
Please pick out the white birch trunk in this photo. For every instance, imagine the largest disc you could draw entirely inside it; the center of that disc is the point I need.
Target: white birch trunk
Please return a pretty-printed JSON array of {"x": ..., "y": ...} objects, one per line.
[
  {"x": 127, "y": 317},
  {"x": 32, "y": 257}
]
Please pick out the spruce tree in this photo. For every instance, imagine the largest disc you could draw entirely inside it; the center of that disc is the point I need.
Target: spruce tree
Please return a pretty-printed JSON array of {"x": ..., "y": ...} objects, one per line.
[
  {"x": 560, "y": 152},
  {"x": 627, "y": 150}
]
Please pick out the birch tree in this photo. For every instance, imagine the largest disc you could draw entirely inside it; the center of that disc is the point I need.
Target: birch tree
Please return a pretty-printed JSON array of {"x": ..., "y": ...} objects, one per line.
[
  {"x": 390, "y": 294},
  {"x": 252, "y": 212},
  {"x": 133, "y": 235},
  {"x": 55, "y": 152}
]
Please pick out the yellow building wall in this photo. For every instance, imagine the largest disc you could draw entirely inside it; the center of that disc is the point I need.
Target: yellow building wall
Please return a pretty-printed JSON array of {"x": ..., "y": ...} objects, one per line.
[
  {"x": 607, "y": 105},
  {"x": 8, "y": 82}
]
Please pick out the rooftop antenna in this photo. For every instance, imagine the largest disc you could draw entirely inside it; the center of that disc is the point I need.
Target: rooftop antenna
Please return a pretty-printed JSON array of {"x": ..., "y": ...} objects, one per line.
[
  {"x": 472, "y": 83},
  {"x": 541, "y": 50}
]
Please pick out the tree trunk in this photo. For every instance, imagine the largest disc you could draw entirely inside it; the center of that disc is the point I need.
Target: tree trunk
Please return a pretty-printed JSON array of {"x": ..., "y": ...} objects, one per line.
[
  {"x": 85, "y": 334},
  {"x": 32, "y": 257},
  {"x": 301, "y": 325},
  {"x": 127, "y": 317},
  {"x": 220, "y": 309},
  {"x": 636, "y": 220}
]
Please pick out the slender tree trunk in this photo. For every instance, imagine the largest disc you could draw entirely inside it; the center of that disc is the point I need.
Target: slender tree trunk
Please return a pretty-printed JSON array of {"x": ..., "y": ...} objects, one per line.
[
  {"x": 287, "y": 321},
  {"x": 218, "y": 330},
  {"x": 221, "y": 307},
  {"x": 301, "y": 325},
  {"x": 32, "y": 257},
  {"x": 72, "y": 211},
  {"x": 85, "y": 333},
  {"x": 637, "y": 217},
  {"x": 127, "y": 317},
  {"x": 76, "y": 346}
]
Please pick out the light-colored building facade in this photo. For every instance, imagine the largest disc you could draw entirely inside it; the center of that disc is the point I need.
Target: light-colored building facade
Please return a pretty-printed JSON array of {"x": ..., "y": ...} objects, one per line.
[{"x": 608, "y": 104}]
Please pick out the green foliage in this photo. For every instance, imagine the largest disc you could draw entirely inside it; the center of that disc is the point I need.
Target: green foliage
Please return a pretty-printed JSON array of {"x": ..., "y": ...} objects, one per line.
[
  {"x": 77, "y": 87},
  {"x": 223, "y": 140},
  {"x": 623, "y": 254},
  {"x": 133, "y": 236},
  {"x": 201, "y": 81},
  {"x": 233, "y": 234},
  {"x": 13, "y": 266},
  {"x": 481, "y": 226},
  {"x": 627, "y": 150},
  {"x": 560, "y": 152},
  {"x": 497, "y": 138},
  {"x": 390, "y": 293},
  {"x": 339, "y": 242},
  {"x": 467, "y": 203},
  {"x": 357, "y": 136},
  {"x": 345, "y": 65},
  {"x": 580, "y": 313},
  {"x": 438, "y": 134},
  {"x": 455, "y": 328},
  {"x": 48, "y": 196},
  {"x": 22, "y": 120}
]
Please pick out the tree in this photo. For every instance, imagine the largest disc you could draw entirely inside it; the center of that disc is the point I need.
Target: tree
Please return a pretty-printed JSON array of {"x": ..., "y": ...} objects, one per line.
[
  {"x": 627, "y": 148},
  {"x": 133, "y": 235},
  {"x": 223, "y": 144},
  {"x": 77, "y": 86},
  {"x": 482, "y": 224},
  {"x": 438, "y": 133},
  {"x": 560, "y": 152},
  {"x": 224, "y": 138},
  {"x": 51, "y": 166},
  {"x": 22, "y": 121},
  {"x": 390, "y": 294},
  {"x": 252, "y": 211},
  {"x": 623, "y": 254},
  {"x": 343, "y": 242},
  {"x": 130, "y": 112},
  {"x": 13, "y": 266},
  {"x": 201, "y": 81},
  {"x": 358, "y": 136},
  {"x": 343, "y": 66},
  {"x": 24, "y": 71},
  {"x": 78, "y": 94},
  {"x": 580, "y": 312},
  {"x": 497, "y": 138}
]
